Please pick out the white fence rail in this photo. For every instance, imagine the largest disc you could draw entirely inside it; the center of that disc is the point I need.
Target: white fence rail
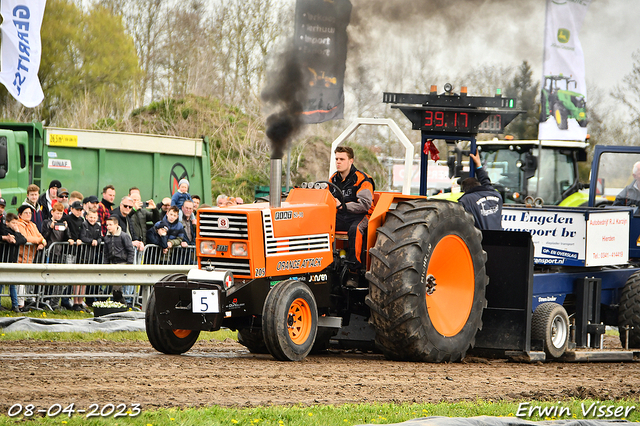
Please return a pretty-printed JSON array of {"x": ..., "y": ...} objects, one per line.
[{"x": 64, "y": 275}]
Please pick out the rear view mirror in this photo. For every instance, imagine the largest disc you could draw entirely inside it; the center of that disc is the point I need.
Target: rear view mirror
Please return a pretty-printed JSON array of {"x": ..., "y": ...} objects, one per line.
[{"x": 3, "y": 157}]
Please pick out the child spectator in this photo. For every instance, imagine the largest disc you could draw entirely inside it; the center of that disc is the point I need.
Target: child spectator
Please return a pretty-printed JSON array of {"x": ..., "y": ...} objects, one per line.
[
  {"x": 181, "y": 194},
  {"x": 74, "y": 219},
  {"x": 118, "y": 249},
  {"x": 91, "y": 236},
  {"x": 167, "y": 232},
  {"x": 13, "y": 238},
  {"x": 56, "y": 230},
  {"x": 91, "y": 230},
  {"x": 33, "y": 192}
]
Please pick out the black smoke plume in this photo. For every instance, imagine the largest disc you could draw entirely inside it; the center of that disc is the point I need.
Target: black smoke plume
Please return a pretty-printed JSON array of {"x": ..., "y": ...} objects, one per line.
[{"x": 285, "y": 94}]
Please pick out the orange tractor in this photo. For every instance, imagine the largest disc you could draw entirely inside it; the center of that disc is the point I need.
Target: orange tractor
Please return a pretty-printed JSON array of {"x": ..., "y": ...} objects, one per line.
[{"x": 274, "y": 272}]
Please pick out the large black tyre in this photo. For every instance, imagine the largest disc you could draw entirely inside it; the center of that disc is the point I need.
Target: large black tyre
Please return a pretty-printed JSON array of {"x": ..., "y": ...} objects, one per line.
[
  {"x": 253, "y": 339},
  {"x": 427, "y": 245},
  {"x": 290, "y": 320},
  {"x": 170, "y": 342},
  {"x": 550, "y": 323},
  {"x": 629, "y": 312}
]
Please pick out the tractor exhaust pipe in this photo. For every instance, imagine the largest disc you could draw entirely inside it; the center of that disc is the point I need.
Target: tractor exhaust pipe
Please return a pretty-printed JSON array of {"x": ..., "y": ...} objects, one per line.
[{"x": 275, "y": 185}]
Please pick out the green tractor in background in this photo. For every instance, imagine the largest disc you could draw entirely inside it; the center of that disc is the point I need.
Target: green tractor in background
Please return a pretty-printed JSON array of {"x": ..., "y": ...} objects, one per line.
[{"x": 563, "y": 104}]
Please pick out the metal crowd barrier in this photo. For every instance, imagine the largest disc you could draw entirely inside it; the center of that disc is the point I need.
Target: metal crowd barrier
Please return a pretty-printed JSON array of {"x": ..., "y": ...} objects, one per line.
[
  {"x": 154, "y": 255},
  {"x": 60, "y": 266}
]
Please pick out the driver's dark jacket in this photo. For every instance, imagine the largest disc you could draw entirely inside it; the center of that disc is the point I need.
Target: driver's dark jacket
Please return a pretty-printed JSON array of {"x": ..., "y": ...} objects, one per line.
[
  {"x": 357, "y": 191},
  {"x": 484, "y": 203},
  {"x": 629, "y": 196}
]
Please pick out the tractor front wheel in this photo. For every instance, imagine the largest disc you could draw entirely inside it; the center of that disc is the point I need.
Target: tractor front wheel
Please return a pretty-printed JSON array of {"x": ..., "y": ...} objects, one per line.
[
  {"x": 172, "y": 342},
  {"x": 550, "y": 323},
  {"x": 629, "y": 312},
  {"x": 427, "y": 282},
  {"x": 290, "y": 321}
]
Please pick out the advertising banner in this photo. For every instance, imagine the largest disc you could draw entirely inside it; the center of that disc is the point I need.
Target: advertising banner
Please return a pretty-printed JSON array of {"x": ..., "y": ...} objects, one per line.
[
  {"x": 437, "y": 176},
  {"x": 321, "y": 39},
  {"x": 607, "y": 239},
  {"x": 563, "y": 99},
  {"x": 573, "y": 237},
  {"x": 21, "y": 49}
]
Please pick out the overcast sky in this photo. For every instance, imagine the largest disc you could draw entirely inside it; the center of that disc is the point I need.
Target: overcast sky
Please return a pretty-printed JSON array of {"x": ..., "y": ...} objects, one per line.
[{"x": 458, "y": 34}]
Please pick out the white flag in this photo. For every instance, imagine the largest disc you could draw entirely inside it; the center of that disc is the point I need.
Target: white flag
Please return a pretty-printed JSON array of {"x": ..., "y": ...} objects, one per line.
[
  {"x": 21, "y": 49},
  {"x": 564, "y": 91}
]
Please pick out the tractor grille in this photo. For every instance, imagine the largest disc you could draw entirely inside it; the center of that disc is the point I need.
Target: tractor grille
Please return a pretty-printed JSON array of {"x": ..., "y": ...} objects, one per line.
[
  {"x": 210, "y": 228},
  {"x": 237, "y": 266},
  {"x": 275, "y": 246}
]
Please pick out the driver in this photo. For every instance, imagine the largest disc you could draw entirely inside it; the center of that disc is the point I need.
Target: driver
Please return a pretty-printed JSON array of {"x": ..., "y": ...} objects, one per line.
[
  {"x": 630, "y": 195},
  {"x": 357, "y": 192}
]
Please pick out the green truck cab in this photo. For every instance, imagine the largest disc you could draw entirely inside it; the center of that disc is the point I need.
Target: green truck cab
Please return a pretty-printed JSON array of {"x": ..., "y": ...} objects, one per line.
[
  {"x": 545, "y": 170},
  {"x": 88, "y": 160}
]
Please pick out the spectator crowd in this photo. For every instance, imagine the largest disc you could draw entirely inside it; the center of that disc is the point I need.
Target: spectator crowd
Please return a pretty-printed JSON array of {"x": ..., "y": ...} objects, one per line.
[{"x": 68, "y": 227}]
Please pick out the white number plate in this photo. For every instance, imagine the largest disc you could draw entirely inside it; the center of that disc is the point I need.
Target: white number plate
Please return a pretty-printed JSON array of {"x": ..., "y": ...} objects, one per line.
[{"x": 205, "y": 301}]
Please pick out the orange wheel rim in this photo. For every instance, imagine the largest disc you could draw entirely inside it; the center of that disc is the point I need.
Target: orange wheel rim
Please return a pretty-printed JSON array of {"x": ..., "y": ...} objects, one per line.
[
  {"x": 450, "y": 303},
  {"x": 181, "y": 333},
  {"x": 299, "y": 321}
]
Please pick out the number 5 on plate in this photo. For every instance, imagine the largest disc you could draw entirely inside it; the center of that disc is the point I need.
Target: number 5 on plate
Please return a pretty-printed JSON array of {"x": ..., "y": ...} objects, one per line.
[{"x": 205, "y": 302}]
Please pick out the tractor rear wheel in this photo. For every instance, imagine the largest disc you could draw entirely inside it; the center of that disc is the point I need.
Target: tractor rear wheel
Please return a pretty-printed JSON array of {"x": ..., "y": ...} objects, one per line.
[
  {"x": 427, "y": 282},
  {"x": 170, "y": 342},
  {"x": 290, "y": 320},
  {"x": 253, "y": 339},
  {"x": 550, "y": 323},
  {"x": 629, "y": 312}
]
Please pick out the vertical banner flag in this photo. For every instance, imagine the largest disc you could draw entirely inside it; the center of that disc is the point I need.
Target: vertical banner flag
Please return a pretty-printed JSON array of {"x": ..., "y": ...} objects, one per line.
[
  {"x": 321, "y": 40},
  {"x": 563, "y": 100},
  {"x": 21, "y": 49}
]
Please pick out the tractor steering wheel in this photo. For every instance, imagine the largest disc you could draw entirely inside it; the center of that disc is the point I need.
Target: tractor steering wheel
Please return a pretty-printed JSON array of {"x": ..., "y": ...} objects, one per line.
[{"x": 340, "y": 195}]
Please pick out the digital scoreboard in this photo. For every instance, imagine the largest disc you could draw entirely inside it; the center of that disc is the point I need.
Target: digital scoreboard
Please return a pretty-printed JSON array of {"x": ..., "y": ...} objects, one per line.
[{"x": 454, "y": 114}]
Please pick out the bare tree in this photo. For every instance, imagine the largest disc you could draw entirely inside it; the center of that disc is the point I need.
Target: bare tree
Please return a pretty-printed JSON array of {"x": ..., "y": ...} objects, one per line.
[{"x": 628, "y": 92}]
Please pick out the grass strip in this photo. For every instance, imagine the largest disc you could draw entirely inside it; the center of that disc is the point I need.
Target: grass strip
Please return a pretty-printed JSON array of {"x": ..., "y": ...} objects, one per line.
[{"x": 343, "y": 415}]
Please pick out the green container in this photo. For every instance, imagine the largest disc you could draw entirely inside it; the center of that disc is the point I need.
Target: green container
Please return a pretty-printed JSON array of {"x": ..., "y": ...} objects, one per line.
[{"x": 88, "y": 160}]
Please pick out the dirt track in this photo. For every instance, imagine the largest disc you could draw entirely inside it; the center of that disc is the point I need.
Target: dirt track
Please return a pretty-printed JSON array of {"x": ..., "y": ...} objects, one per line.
[{"x": 224, "y": 373}]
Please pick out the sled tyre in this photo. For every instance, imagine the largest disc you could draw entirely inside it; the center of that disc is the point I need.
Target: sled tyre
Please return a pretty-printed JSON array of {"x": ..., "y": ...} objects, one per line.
[{"x": 550, "y": 323}]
